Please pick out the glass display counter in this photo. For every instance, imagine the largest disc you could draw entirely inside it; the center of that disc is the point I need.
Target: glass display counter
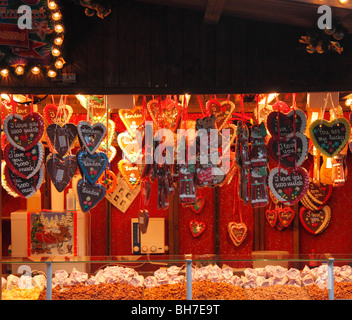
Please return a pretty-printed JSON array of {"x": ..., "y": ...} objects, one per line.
[{"x": 164, "y": 277}]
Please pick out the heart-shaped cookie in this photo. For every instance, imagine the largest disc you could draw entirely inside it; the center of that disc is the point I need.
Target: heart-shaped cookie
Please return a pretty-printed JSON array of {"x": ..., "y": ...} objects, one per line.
[
  {"x": 288, "y": 186},
  {"x": 91, "y": 166},
  {"x": 317, "y": 195},
  {"x": 130, "y": 173},
  {"x": 61, "y": 138},
  {"x": 25, "y": 188},
  {"x": 130, "y": 146},
  {"x": 24, "y": 132},
  {"x": 89, "y": 195},
  {"x": 278, "y": 122},
  {"x": 221, "y": 110},
  {"x": 198, "y": 205},
  {"x": 24, "y": 163},
  {"x": 285, "y": 215},
  {"x": 197, "y": 227},
  {"x": 165, "y": 114},
  {"x": 61, "y": 171},
  {"x": 293, "y": 149},
  {"x": 330, "y": 137},
  {"x": 132, "y": 119},
  {"x": 271, "y": 217},
  {"x": 315, "y": 222},
  {"x": 59, "y": 115},
  {"x": 237, "y": 232},
  {"x": 91, "y": 135},
  {"x": 143, "y": 220}
]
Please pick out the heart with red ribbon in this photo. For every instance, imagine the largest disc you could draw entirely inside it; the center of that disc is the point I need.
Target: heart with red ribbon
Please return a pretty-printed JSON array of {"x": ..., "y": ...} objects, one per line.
[{"x": 197, "y": 227}]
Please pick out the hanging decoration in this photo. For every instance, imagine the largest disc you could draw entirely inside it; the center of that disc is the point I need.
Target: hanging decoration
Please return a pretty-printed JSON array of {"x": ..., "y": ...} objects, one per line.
[
  {"x": 315, "y": 222},
  {"x": 237, "y": 230},
  {"x": 36, "y": 50},
  {"x": 323, "y": 41}
]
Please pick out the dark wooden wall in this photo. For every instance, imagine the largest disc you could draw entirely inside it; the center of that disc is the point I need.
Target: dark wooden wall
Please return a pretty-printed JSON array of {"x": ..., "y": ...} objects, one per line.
[{"x": 142, "y": 48}]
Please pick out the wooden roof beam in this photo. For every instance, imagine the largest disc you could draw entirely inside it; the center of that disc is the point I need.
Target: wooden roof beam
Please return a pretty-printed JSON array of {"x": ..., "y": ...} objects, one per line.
[
  {"x": 213, "y": 11},
  {"x": 331, "y": 3}
]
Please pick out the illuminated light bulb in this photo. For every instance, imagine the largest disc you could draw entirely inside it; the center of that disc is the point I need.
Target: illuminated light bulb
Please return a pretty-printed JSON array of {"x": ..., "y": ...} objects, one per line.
[
  {"x": 58, "y": 41},
  {"x": 19, "y": 70},
  {"x": 56, "y": 16},
  {"x": 52, "y": 5},
  {"x": 35, "y": 70},
  {"x": 348, "y": 102},
  {"x": 55, "y": 52},
  {"x": 51, "y": 73},
  {"x": 59, "y": 28},
  {"x": 59, "y": 64},
  {"x": 4, "y": 72},
  {"x": 343, "y": 1}
]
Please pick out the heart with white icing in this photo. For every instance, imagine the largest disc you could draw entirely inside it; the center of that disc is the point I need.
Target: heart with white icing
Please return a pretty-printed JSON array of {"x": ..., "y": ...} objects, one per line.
[
  {"x": 91, "y": 136},
  {"x": 288, "y": 186}
]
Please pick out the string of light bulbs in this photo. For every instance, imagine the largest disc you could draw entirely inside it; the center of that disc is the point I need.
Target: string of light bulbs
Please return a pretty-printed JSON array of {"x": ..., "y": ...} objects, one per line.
[{"x": 56, "y": 49}]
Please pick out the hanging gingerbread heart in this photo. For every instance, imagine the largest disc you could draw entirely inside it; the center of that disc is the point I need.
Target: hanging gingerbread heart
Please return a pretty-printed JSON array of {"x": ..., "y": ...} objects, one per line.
[
  {"x": 288, "y": 186},
  {"x": 330, "y": 137},
  {"x": 24, "y": 132},
  {"x": 91, "y": 166},
  {"x": 317, "y": 195},
  {"x": 198, "y": 205},
  {"x": 25, "y": 164},
  {"x": 143, "y": 220},
  {"x": 237, "y": 232},
  {"x": 166, "y": 113},
  {"x": 61, "y": 171},
  {"x": 130, "y": 173},
  {"x": 89, "y": 195},
  {"x": 278, "y": 122},
  {"x": 285, "y": 216},
  {"x": 131, "y": 147},
  {"x": 293, "y": 149},
  {"x": 91, "y": 135},
  {"x": 59, "y": 115},
  {"x": 197, "y": 227},
  {"x": 132, "y": 119},
  {"x": 315, "y": 222},
  {"x": 109, "y": 180},
  {"x": 61, "y": 138},
  {"x": 222, "y": 111},
  {"x": 271, "y": 217},
  {"x": 25, "y": 188}
]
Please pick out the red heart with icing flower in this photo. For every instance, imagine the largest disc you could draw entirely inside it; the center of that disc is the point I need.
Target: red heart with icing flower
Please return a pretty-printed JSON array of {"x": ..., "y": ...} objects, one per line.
[
  {"x": 198, "y": 205},
  {"x": 285, "y": 215}
]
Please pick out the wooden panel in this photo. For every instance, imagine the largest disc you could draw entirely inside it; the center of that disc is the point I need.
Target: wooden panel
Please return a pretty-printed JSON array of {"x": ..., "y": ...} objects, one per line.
[
  {"x": 142, "y": 46},
  {"x": 126, "y": 33},
  {"x": 111, "y": 52},
  {"x": 174, "y": 19},
  {"x": 223, "y": 54},
  {"x": 191, "y": 52},
  {"x": 238, "y": 43}
]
